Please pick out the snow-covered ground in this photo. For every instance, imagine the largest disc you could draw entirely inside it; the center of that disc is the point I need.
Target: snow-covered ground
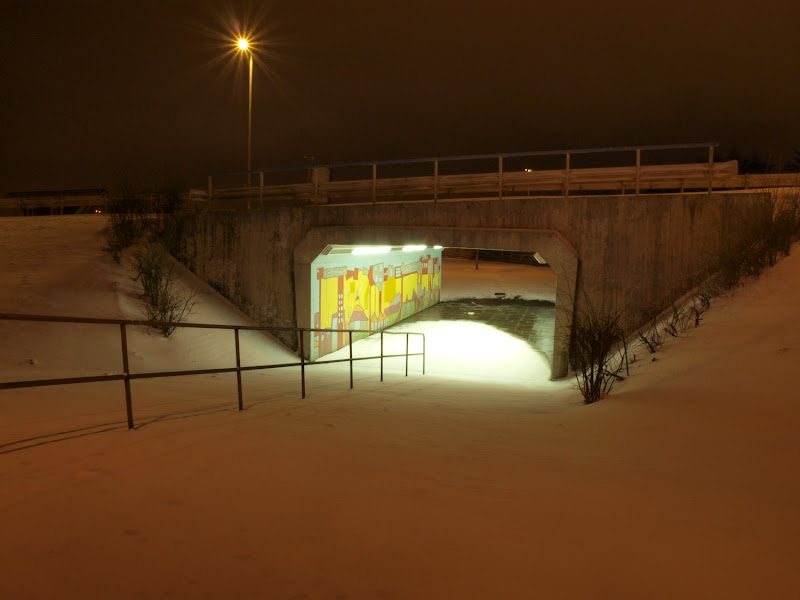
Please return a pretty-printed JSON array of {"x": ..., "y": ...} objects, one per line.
[{"x": 681, "y": 484}]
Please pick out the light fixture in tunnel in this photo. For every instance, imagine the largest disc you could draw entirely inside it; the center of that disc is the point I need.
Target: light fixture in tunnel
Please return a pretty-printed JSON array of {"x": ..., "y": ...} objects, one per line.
[
  {"x": 414, "y": 248},
  {"x": 372, "y": 249}
]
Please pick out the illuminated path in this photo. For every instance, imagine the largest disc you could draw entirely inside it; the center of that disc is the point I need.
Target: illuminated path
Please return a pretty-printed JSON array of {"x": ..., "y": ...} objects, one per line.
[{"x": 506, "y": 343}]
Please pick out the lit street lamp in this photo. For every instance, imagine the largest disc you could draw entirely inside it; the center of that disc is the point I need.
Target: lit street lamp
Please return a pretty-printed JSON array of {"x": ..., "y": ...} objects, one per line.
[{"x": 244, "y": 46}]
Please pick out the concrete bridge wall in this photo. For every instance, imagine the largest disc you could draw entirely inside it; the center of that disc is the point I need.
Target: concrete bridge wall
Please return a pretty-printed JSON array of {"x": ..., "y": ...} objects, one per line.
[{"x": 628, "y": 253}]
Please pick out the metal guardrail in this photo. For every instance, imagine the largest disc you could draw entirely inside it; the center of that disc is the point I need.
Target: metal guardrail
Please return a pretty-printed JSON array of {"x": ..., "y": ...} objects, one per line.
[
  {"x": 126, "y": 376},
  {"x": 318, "y": 186}
]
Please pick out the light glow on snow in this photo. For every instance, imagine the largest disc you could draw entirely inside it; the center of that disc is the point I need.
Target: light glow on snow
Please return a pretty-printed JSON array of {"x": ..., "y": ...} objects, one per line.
[{"x": 457, "y": 350}]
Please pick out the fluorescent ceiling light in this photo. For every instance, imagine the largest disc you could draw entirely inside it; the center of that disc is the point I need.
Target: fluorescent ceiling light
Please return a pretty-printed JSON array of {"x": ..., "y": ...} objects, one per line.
[
  {"x": 372, "y": 249},
  {"x": 437, "y": 247},
  {"x": 414, "y": 248}
]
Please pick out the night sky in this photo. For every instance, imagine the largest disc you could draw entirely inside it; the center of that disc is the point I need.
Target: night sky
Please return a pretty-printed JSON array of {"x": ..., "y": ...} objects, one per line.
[{"x": 94, "y": 93}]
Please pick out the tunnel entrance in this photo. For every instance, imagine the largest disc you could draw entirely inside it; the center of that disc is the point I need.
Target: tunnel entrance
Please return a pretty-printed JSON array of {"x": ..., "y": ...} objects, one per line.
[
  {"x": 493, "y": 323},
  {"x": 509, "y": 245}
]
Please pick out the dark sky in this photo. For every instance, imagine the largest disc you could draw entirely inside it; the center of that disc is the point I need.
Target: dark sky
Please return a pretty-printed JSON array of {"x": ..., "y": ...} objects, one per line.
[{"x": 93, "y": 93}]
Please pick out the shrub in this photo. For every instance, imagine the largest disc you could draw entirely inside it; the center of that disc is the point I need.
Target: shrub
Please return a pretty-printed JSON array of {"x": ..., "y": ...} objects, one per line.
[
  {"x": 598, "y": 350},
  {"x": 155, "y": 272},
  {"x": 678, "y": 321},
  {"x": 652, "y": 337}
]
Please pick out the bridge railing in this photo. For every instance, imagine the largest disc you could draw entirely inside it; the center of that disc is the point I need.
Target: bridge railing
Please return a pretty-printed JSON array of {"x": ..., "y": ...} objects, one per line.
[
  {"x": 478, "y": 175},
  {"x": 126, "y": 376}
]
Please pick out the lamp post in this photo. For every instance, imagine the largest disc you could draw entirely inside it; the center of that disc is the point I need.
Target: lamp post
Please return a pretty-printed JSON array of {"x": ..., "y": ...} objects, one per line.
[{"x": 244, "y": 46}]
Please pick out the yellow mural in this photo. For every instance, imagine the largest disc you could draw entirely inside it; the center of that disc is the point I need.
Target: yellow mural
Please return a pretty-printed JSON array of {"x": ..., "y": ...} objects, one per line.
[{"x": 371, "y": 298}]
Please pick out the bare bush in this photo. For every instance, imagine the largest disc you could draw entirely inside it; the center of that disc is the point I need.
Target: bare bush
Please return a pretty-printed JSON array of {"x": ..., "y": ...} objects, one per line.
[
  {"x": 155, "y": 273},
  {"x": 701, "y": 302},
  {"x": 653, "y": 332},
  {"x": 678, "y": 321},
  {"x": 598, "y": 351},
  {"x": 696, "y": 312}
]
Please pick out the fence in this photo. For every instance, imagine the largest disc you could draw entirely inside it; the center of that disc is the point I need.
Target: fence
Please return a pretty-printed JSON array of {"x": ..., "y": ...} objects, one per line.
[
  {"x": 126, "y": 376},
  {"x": 495, "y": 175}
]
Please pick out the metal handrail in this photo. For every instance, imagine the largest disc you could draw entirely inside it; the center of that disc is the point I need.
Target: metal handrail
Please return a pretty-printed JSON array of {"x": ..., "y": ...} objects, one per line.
[{"x": 126, "y": 376}]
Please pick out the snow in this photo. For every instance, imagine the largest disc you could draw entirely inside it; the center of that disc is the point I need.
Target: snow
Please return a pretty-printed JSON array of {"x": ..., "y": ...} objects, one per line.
[{"x": 681, "y": 484}]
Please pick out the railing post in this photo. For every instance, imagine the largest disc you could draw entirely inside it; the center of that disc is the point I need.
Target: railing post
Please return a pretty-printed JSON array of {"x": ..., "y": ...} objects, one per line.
[
  {"x": 350, "y": 340},
  {"x": 374, "y": 182},
  {"x": 435, "y": 180},
  {"x": 407, "y": 354},
  {"x": 423, "y": 354},
  {"x": 500, "y": 177},
  {"x": 566, "y": 178},
  {"x": 381, "y": 356},
  {"x": 126, "y": 373},
  {"x": 710, "y": 168},
  {"x": 210, "y": 189},
  {"x": 638, "y": 167},
  {"x": 238, "y": 368},
  {"x": 302, "y": 364}
]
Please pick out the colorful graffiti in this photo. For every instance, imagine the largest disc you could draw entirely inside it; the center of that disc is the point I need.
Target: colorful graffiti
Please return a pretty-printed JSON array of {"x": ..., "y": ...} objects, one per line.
[{"x": 369, "y": 297}]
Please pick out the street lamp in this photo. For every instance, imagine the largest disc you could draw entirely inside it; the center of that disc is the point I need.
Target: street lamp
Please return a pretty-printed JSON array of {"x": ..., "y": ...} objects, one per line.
[{"x": 244, "y": 46}]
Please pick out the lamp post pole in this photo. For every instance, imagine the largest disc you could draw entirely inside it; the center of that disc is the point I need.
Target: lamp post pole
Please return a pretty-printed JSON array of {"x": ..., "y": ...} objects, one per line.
[
  {"x": 244, "y": 46},
  {"x": 250, "y": 121}
]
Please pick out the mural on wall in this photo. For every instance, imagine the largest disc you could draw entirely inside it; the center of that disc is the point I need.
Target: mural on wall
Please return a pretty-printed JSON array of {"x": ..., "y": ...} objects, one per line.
[{"x": 369, "y": 296}]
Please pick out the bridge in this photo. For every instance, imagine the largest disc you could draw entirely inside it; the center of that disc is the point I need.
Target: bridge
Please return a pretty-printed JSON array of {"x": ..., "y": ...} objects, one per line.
[{"x": 287, "y": 253}]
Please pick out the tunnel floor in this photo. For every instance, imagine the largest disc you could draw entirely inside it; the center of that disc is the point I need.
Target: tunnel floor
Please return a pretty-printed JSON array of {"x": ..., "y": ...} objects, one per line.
[{"x": 530, "y": 320}]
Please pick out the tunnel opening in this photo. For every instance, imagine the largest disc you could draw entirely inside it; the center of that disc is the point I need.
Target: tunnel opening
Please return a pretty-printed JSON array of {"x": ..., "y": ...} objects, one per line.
[
  {"x": 513, "y": 248},
  {"x": 492, "y": 317}
]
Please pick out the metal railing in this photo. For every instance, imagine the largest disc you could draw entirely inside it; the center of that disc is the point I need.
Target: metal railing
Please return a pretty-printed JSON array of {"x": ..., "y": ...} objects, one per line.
[
  {"x": 126, "y": 376},
  {"x": 320, "y": 183}
]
